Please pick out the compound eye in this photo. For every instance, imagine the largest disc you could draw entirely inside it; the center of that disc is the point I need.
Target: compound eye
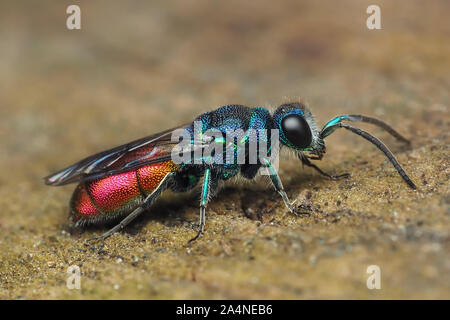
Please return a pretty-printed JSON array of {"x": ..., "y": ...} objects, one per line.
[{"x": 296, "y": 130}]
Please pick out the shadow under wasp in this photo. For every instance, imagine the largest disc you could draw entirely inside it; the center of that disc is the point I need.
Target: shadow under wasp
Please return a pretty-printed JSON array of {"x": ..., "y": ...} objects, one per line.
[{"x": 126, "y": 180}]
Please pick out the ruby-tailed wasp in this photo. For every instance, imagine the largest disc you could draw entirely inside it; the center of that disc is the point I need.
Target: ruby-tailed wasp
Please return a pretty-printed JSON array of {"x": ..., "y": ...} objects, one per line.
[{"x": 126, "y": 180}]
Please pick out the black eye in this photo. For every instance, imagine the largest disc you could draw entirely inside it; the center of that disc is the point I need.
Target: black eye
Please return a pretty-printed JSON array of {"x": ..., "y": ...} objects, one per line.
[{"x": 296, "y": 130}]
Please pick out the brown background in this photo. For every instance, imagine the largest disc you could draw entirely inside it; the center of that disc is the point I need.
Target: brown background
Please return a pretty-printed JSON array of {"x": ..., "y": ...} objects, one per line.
[{"x": 139, "y": 67}]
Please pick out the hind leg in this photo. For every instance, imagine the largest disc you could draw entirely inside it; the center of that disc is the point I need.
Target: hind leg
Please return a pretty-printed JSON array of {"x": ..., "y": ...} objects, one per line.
[
  {"x": 206, "y": 193},
  {"x": 136, "y": 212}
]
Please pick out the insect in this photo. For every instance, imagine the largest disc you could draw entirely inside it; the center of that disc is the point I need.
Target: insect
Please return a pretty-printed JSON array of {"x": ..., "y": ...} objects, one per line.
[{"x": 124, "y": 181}]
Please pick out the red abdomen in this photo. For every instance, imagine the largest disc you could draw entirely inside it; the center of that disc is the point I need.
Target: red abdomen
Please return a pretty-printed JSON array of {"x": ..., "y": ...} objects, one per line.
[{"x": 105, "y": 198}]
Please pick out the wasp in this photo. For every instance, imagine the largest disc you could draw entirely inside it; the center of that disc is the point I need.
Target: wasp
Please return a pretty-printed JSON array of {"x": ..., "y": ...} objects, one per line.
[{"x": 125, "y": 181}]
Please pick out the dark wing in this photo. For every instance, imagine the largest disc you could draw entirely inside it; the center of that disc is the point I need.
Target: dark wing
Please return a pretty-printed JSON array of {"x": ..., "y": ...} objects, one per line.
[{"x": 135, "y": 154}]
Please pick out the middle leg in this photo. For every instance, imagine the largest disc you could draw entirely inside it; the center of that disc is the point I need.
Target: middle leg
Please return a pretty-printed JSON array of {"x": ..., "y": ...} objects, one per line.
[{"x": 206, "y": 193}]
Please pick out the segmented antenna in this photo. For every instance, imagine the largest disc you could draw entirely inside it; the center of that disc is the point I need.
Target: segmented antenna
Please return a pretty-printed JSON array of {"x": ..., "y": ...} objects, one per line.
[
  {"x": 380, "y": 145},
  {"x": 379, "y": 123},
  {"x": 332, "y": 125}
]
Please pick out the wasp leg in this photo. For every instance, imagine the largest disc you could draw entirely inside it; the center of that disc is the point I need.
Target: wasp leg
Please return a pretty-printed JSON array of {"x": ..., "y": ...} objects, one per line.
[
  {"x": 276, "y": 181},
  {"x": 308, "y": 163},
  {"x": 206, "y": 191},
  {"x": 136, "y": 212}
]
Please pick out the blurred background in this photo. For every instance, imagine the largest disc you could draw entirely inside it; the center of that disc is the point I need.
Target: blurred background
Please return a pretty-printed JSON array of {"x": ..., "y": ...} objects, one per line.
[{"x": 139, "y": 67}]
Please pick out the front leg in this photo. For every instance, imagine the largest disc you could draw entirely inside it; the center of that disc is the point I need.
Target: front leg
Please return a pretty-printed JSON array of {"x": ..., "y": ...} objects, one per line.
[
  {"x": 305, "y": 161},
  {"x": 276, "y": 181}
]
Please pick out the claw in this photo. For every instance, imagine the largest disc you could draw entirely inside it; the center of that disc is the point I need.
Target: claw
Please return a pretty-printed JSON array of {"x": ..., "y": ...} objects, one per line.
[
  {"x": 295, "y": 209},
  {"x": 340, "y": 176},
  {"x": 195, "y": 238},
  {"x": 97, "y": 238}
]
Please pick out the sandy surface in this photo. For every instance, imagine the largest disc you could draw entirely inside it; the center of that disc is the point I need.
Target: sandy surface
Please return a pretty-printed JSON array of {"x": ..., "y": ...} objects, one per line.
[{"x": 137, "y": 69}]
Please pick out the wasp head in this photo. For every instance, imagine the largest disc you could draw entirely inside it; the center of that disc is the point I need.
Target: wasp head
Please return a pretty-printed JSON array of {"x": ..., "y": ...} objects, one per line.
[{"x": 298, "y": 129}]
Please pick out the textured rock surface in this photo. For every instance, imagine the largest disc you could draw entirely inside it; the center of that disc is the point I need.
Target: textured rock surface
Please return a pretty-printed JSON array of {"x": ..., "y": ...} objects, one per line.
[{"x": 137, "y": 69}]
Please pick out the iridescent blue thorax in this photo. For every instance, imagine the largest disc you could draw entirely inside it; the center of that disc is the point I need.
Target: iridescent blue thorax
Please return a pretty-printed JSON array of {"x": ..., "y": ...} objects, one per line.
[
  {"x": 233, "y": 117},
  {"x": 232, "y": 128}
]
